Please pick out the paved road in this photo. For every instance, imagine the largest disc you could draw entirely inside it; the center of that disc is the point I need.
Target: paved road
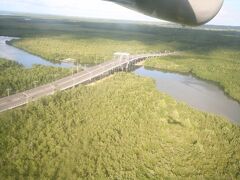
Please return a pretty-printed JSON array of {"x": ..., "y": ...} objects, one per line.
[{"x": 22, "y": 98}]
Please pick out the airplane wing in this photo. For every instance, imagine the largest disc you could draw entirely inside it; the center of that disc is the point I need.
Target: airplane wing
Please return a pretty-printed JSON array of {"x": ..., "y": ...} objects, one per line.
[{"x": 186, "y": 12}]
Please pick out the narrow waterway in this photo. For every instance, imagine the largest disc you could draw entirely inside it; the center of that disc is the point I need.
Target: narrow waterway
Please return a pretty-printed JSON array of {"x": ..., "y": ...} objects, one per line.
[
  {"x": 197, "y": 93},
  {"x": 23, "y": 57}
]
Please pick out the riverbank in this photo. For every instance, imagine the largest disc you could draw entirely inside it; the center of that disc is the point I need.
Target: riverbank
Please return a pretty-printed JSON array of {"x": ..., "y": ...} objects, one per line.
[
  {"x": 224, "y": 71},
  {"x": 199, "y": 94},
  {"x": 27, "y": 59}
]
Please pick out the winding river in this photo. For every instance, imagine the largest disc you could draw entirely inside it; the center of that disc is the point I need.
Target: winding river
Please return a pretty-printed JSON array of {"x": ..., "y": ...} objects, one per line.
[
  {"x": 23, "y": 57},
  {"x": 197, "y": 93}
]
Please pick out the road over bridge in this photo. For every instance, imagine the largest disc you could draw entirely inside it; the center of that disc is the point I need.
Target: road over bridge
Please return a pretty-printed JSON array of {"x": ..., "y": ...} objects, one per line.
[{"x": 85, "y": 76}]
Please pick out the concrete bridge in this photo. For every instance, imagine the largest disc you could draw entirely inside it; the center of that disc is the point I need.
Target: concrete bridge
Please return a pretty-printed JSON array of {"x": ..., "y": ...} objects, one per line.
[{"x": 123, "y": 61}]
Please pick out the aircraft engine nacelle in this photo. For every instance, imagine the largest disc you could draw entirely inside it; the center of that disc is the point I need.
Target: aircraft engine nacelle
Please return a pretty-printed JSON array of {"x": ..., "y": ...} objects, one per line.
[{"x": 187, "y": 12}]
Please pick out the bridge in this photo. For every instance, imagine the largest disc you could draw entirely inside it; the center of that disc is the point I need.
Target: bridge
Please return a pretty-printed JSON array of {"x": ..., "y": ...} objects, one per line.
[{"x": 86, "y": 76}]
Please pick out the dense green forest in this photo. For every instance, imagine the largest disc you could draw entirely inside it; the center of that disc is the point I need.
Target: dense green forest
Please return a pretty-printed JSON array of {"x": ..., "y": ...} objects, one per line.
[
  {"x": 121, "y": 128},
  {"x": 222, "y": 67},
  {"x": 15, "y": 78}
]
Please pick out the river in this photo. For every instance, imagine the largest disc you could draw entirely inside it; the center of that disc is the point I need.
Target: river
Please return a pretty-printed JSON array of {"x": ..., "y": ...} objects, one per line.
[
  {"x": 23, "y": 57},
  {"x": 197, "y": 93}
]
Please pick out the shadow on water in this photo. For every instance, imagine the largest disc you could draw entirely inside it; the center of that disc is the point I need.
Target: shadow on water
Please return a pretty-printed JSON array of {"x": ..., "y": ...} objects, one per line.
[{"x": 199, "y": 94}]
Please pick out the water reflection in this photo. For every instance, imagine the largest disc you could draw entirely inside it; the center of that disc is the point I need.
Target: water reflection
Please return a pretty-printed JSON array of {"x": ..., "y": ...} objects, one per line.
[
  {"x": 197, "y": 93},
  {"x": 24, "y": 58}
]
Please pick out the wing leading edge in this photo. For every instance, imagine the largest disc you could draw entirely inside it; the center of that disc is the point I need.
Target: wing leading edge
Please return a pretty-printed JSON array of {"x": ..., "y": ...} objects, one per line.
[{"x": 186, "y": 12}]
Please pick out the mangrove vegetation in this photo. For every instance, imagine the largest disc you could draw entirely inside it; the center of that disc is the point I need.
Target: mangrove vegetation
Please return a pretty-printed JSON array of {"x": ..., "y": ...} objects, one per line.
[{"x": 121, "y": 128}]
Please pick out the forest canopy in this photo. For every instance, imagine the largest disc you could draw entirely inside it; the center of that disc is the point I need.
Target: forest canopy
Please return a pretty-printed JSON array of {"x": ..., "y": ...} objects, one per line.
[{"x": 121, "y": 128}]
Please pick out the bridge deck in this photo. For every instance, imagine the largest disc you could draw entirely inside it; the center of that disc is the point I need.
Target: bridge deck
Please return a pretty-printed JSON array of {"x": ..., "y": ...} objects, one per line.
[{"x": 22, "y": 98}]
